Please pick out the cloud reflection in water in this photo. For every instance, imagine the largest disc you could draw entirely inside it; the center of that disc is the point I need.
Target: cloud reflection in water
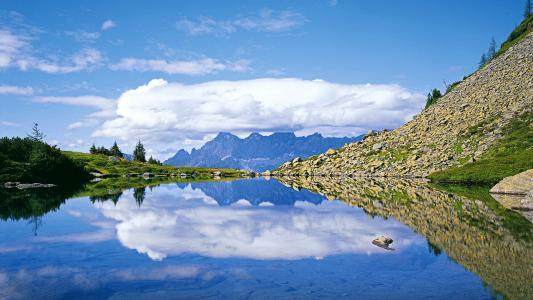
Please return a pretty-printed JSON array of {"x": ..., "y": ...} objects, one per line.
[{"x": 173, "y": 221}]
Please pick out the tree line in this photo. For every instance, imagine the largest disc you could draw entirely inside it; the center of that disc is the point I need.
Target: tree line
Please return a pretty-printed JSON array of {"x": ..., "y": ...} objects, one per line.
[
  {"x": 31, "y": 159},
  {"x": 139, "y": 153}
]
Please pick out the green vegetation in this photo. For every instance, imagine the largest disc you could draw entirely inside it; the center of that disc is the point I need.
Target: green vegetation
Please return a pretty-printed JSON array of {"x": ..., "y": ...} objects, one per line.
[
  {"x": 432, "y": 97},
  {"x": 115, "y": 167},
  {"x": 510, "y": 155},
  {"x": 32, "y": 160},
  {"x": 517, "y": 35}
]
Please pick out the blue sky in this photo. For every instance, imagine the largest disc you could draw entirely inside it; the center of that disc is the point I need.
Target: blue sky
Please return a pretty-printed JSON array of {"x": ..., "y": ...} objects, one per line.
[{"x": 173, "y": 73}]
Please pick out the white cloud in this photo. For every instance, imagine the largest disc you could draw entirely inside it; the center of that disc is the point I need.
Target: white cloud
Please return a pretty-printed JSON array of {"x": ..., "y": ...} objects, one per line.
[
  {"x": 86, "y": 59},
  {"x": 163, "y": 113},
  {"x": 192, "y": 67},
  {"x": 10, "y": 46},
  {"x": 84, "y": 36},
  {"x": 15, "y": 90},
  {"x": 108, "y": 24},
  {"x": 105, "y": 109},
  {"x": 10, "y": 124},
  {"x": 16, "y": 51},
  {"x": 265, "y": 21}
]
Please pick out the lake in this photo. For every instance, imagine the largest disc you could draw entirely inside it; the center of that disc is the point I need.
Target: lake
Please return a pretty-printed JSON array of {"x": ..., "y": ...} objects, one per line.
[{"x": 258, "y": 238}]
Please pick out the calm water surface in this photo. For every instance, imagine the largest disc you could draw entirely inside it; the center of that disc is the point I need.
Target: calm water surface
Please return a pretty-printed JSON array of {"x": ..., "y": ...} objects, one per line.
[{"x": 240, "y": 239}]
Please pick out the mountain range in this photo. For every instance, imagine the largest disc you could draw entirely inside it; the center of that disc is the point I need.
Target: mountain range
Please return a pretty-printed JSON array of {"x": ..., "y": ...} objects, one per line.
[{"x": 256, "y": 152}]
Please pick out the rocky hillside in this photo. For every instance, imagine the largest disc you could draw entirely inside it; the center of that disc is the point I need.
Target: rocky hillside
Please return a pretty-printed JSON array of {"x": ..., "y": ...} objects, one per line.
[
  {"x": 256, "y": 152},
  {"x": 459, "y": 128}
]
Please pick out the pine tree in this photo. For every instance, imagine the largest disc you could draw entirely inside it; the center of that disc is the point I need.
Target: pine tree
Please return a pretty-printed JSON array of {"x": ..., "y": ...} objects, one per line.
[
  {"x": 93, "y": 149},
  {"x": 483, "y": 60},
  {"x": 36, "y": 133},
  {"x": 492, "y": 50},
  {"x": 139, "y": 153},
  {"x": 115, "y": 151},
  {"x": 527, "y": 9}
]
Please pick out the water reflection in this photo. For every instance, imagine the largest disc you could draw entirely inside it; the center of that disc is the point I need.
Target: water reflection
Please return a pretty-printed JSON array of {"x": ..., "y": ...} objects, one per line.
[
  {"x": 466, "y": 222},
  {"x": 262, "y": 239},
  {"x": 176, "y": 221}
]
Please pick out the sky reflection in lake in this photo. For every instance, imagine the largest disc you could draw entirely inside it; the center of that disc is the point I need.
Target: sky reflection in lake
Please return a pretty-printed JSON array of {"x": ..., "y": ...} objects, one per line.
[{"x": 210, "y": 239}]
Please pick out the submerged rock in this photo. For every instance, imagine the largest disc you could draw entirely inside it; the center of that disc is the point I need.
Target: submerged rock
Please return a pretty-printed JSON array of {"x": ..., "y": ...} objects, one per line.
[
  {"x": 23, "y": 186},
  {"x": 383, "y": 242},
  {"x": 9, "y": 184}
]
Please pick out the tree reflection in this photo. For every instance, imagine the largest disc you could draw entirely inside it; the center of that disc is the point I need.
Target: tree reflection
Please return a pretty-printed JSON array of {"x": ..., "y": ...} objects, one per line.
[{"x": 139, "y": 194}]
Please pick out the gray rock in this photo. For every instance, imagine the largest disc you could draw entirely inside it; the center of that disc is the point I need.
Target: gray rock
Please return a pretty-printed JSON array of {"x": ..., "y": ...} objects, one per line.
[
  {"x": 9, "y": 185},
  {"x": 23, "y": 186},
  {"x": 296, "y": 160},
  {"x": 519, "y": 184},
  {"x": 383, "y": 242},
  {"x": 377, "y": 146}
]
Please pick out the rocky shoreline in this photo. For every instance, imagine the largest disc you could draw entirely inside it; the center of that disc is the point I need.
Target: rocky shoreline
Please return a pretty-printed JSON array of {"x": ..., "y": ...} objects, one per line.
[{"x": 23, "y": 186}]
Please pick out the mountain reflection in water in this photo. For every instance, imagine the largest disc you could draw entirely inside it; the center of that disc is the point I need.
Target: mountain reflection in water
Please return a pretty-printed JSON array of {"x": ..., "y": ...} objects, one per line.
[{"x": 259, "y": 238}]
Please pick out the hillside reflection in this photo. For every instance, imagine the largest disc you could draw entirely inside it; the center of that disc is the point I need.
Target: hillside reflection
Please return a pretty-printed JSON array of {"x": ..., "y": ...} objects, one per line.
[{"x": 472, "y": 229}]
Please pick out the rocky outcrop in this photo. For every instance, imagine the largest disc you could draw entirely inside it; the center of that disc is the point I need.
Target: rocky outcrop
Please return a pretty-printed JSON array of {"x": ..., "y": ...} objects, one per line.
[
  {"x": 519, "y": 184},
  {"x": 458, "y": 128},
  {"x": 516, "y": 192}
]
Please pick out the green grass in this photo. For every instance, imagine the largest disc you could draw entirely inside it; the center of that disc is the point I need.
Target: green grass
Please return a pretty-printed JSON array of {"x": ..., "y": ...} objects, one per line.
[
  {"x": 509, "y": 156},
  {"x": 114, "y": 168}
]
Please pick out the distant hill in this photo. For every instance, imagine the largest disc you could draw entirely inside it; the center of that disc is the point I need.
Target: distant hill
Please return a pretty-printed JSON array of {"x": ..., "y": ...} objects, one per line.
[{"x": 256, "y": 152}]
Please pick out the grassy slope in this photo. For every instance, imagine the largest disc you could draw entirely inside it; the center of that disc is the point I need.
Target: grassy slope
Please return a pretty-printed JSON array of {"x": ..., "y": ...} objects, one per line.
[
  {"x": 102, "y": 164},
  {"x": 509, "y": 156}
]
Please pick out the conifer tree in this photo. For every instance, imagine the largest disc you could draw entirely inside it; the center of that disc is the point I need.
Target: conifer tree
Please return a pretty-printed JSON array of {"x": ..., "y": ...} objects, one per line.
[
  {"x": 93, "y": 149},
  {"x": 139, "y": 154},
  {"x": 492, "y": 50},
  {"x": 115, "y": 151},
  {"x": 36, "y": 133},
  {"x": 482, "y": 61}
]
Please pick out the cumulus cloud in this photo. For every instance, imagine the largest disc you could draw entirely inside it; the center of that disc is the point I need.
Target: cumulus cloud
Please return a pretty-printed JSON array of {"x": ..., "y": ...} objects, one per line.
[
  {"x": 108, "y": 24},
  {"x": 15, "y": 90},
  {"x": 161, "y": 112},
  {"x": 265, "y": 21},
  {"x": 163, "y": 226},
  {"x": 191, "y": 67}
]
